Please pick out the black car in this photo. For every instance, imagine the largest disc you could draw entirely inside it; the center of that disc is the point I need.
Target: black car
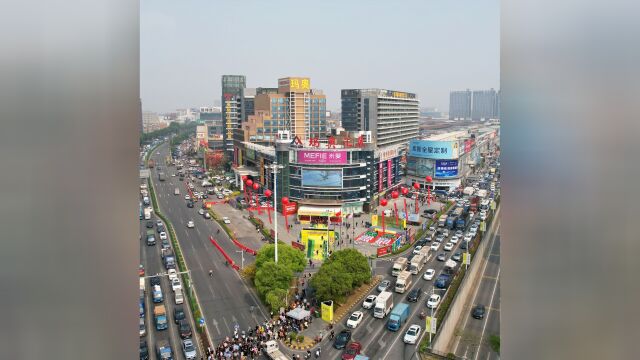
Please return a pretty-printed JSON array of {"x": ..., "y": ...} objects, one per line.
[
  {"x": 478, "y": 311},
  {"x": 205, "y": 196},
  {"x": 154, "y": 280},
  {"x": 463, "y": 245},
  {"x": 149, "y": 224},
  {"x": 178, "y": 314},
  {"x": 342, "y": 339},
  {"x": 430, "y": 211},
  {"x": 160, "y": 228},
  {"x": 185, "y": 329},
  {"x": 442, "y": 257},
  {"x": 190, "y": 204},
  {"x": 144, "y": 350},
  {"x": 414, "y": 295}
]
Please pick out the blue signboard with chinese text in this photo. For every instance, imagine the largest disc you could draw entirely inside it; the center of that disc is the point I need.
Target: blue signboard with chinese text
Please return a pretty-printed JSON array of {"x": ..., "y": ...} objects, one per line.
[
  {"x": 434, "y": 149},
  {"x": 446, "y": 168}
]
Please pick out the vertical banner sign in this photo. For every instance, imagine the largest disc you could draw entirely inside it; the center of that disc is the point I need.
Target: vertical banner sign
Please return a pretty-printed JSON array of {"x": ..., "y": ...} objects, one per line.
[
  {"x": 466, "y": 258},
  {"x": 388, "y": 173},
  {"x": 327, "y": 311},
  {"x": 431, "y": 325},
  {"x": 380, "y": 177},
  {"x": 374, "y": 220}
]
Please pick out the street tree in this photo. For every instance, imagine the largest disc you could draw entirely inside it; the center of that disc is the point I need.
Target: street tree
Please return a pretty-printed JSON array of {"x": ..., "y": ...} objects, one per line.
[
  {"x": 355, "y": 263},
  {"x": 332, "y": 282},
  {"x": 292, "y": 258},
  {"x": 270, "y": 276}
]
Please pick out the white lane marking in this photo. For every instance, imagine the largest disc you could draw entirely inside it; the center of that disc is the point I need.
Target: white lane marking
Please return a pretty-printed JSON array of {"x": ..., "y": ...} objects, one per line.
[
  {"x": 486, "y": 320},
  {"x": 475, "y": 293}
]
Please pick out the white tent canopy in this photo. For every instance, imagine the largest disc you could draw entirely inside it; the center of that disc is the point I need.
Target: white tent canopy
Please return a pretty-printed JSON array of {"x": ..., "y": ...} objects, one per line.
[{"x": 299, "y": 313}]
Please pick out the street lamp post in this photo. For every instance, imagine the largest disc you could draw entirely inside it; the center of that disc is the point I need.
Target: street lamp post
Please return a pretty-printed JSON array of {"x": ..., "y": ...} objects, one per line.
[
  {"x": 242, "y": 257},
  {"x": 275, "y": 167}
]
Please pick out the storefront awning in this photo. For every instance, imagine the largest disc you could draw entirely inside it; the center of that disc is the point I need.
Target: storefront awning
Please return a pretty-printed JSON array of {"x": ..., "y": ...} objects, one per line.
[{"x": 318, "y": 211}]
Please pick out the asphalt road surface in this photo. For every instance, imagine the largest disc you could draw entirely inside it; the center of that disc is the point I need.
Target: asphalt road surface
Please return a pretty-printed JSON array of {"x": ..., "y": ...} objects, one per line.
[
  {"x": 151, "y": 260},
  {"x": 380, "y": 343},
  {"x": 225, "y": 299},
  {"x": 475, "y": 333}
]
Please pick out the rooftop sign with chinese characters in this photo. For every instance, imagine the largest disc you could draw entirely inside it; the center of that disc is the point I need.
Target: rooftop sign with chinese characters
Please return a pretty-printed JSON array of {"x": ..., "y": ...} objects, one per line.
[
  {"x": 294, "y": 84},
  {"x": 434, "y": 149},
  {"x": 322, "y": 157}
]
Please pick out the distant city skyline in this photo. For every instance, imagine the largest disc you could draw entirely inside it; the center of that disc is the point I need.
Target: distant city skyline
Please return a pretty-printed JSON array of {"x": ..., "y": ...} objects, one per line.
[{"x": 435, "y": 48}]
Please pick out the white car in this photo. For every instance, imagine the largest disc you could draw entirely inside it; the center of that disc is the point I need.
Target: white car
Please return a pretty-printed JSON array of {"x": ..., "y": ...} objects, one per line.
[
  {"x": 413, "y": 334},
  {"x": 433, "y": 301},
  {"x": 473, "y": 231},
  {"x": 163, "y": 235},
  {"x": 454, "y": 239},
  {"x": 176, "y": 284},
  {"x": 445, "y": 232},
  {"x": 190, "y": 224},
  {"x": 159, "y": 223},
  {"x": 448, "y": 246},
  {"x": 416, "y": 251},
  {"x": 187, "y": 197},
  {"x": 369, "y": 301},
  {"x": 355, "y": 319},
  {"x": 435, "y": 246},
  {"x": 189, "y": 349},
  {"x": 483, "y": 216},
  {"x": 201, "y": 211},
  {"x": 429, "y": 274},
  {"x": 207, "y": 215},
  {"x": 459, "y": 233},
  {"x": 468, "y": 237},
  {"x": 173, "y": 274},
  {"x": 226, "y": 220}
]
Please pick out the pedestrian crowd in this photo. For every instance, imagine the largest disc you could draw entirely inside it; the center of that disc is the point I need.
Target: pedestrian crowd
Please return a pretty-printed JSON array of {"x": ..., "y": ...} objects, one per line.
[{"x": 249, "y": 344}]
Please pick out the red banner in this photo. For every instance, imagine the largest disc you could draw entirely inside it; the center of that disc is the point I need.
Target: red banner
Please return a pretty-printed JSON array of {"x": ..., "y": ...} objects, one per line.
[
  {"x": 290, "y": 208},
  {"x": 297, "y": 245},
  {"x": 384, "y": 250}
]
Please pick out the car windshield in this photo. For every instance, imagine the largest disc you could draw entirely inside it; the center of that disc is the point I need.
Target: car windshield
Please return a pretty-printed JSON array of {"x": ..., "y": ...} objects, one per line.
[
  {"x": 354, "y": 317},
  {"x": 351, "y": 351},
  {"x": 411, "y": 332}
]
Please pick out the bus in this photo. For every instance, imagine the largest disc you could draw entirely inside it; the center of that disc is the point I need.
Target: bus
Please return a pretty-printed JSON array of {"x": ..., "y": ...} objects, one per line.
[{"x": 141, "y": 212}]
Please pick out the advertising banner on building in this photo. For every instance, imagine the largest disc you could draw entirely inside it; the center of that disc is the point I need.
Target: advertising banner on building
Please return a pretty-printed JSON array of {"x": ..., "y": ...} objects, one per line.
[
  {"x": 322, "y": 178},
  {"x": 374, "y": 220},
  {"x": 389, "y": 176},
  {"x": 446, "y": 168},
  {"x": 250, "y": 154},
  {"x": 434, "y": 149},
  {"x": 468, "y": 144},
  {"x": 319, "y": 157},
  {"x": 380, "y": 186}
]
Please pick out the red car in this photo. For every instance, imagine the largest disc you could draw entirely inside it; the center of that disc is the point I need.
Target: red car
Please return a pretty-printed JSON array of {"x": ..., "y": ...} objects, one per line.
[
  {"x": 351, "y": 351},
  {"x": 141, "y": 270}
]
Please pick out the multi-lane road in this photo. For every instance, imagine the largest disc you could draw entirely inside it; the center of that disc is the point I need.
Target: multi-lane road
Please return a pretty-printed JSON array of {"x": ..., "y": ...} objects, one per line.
[
  {"x": 380, "y": 343},
  {"x": 472, "y": 341},
  {"x": 225, "y": 298}
]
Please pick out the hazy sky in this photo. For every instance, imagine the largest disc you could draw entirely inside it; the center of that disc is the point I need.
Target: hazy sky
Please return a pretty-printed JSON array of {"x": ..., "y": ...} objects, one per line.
[{"x": 428, "y": 47}]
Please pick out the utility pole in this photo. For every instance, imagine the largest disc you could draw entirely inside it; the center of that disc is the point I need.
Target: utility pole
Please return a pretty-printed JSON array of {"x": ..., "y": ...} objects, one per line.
[
  {"x": 275, "y": 167},
  {"x": 242, "y": 256}
]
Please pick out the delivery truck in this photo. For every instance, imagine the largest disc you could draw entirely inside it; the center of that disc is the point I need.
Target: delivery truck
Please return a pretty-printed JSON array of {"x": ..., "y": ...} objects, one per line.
[
  {"x": 273, "y": 352},
  {"x": 403, "y": 282},
  {"x": 384, "y": 304},
  {"x": 160, "y": 317},
  {"x": 416, "y": 264},
  {"x": 399, "y": 266},
  {"x": 398, "y": 316},
  {"x": 442, "y": 220}
]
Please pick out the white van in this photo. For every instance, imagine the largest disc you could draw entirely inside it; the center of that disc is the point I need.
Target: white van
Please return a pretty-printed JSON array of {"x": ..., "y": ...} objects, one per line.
[
  {"x": 178, "y": 297},
  {"x": 176, "y": 191}
]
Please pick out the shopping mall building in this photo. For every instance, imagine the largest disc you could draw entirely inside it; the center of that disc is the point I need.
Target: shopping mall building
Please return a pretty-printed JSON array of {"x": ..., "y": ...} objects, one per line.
[
  {"x": 342, "y": 174},
  {"x": 449, "y": 158}
]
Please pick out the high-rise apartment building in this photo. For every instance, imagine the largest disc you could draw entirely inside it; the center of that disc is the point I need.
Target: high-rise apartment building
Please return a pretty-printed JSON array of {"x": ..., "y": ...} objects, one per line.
[
  {"x": 293, "y": 106},
  {"x": 391, "y": 116},
  {"x": 232, "y": 86},
  {"x": 485, "y": 104},
  {"x": 460, "y": 105}
]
